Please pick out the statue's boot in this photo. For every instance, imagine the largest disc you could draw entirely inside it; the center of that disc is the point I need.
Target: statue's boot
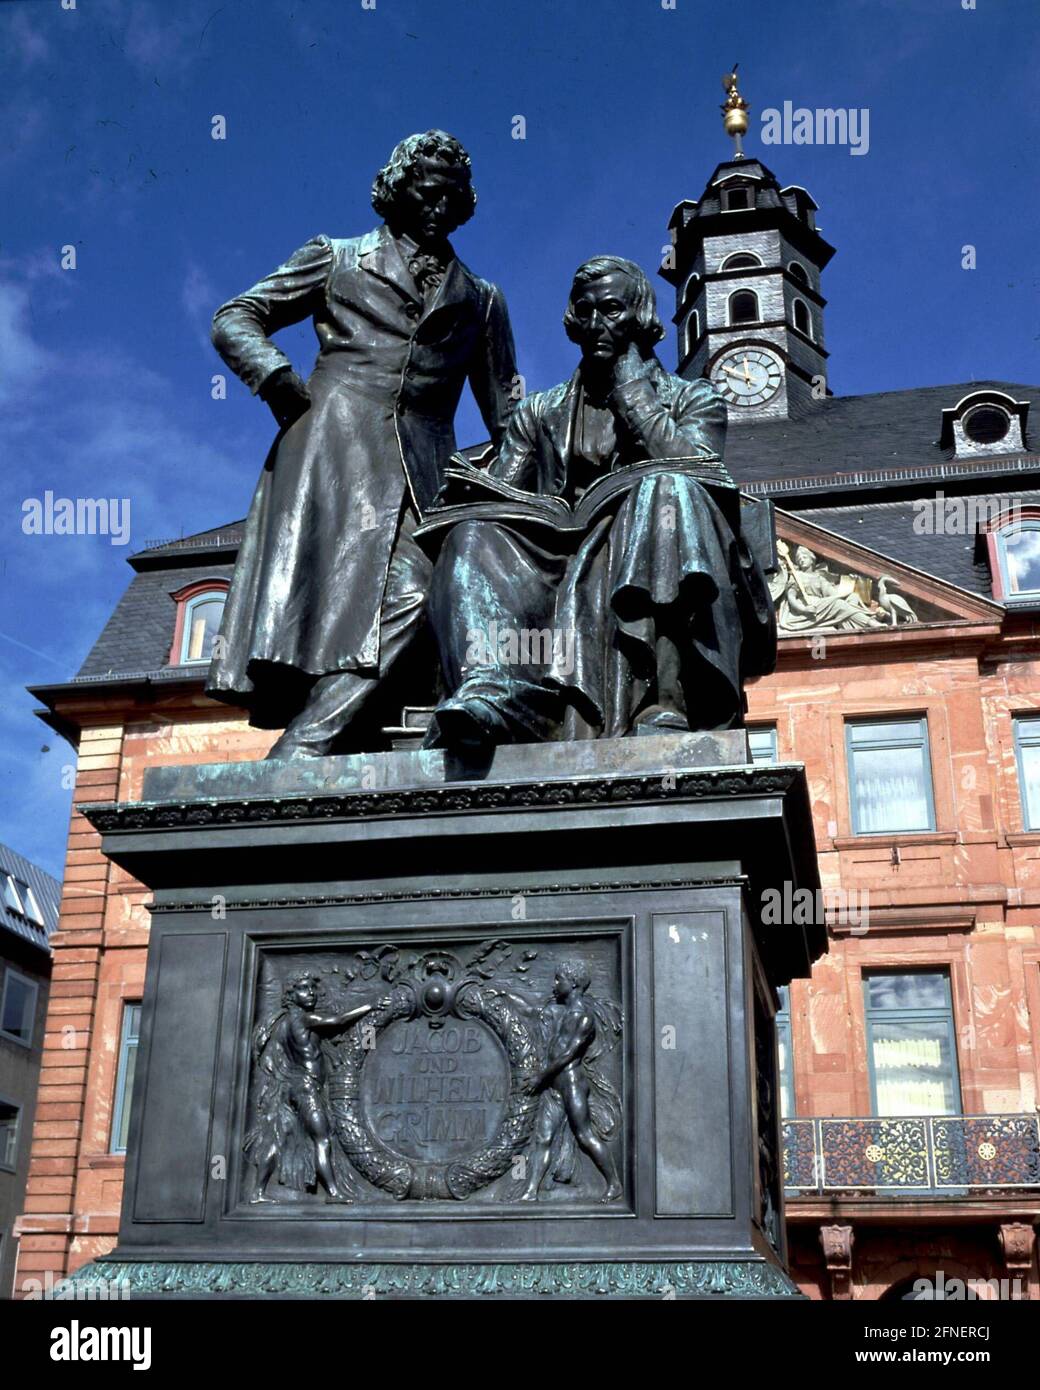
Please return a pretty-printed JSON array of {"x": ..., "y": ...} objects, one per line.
[
  {"x": 657, "y": 719},
  {"x": 467, "y": 723}
]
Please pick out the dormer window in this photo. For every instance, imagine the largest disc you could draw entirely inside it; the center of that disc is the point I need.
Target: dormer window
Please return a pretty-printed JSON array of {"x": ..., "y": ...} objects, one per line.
[
  {"x": 983, "y": 423},
  {"x": 741, "y": 260},
  {"x": 200, "y": 609},
  {"x": 737, "y": 197},
  {"x": 743, "y": 307},
  {"x": 1018, "y": 554},
  {"x": 986, "y": 424}
]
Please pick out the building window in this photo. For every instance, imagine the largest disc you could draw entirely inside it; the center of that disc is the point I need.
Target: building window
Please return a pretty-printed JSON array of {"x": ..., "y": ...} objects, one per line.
[
  {"x": 743, "y": 307},
  {"x": 783, "y": 1052},
  {"x": 8, "y": 1135},
  {"x": 10, "y": 892},
  {"x": 799, "y": 273},
  {"x": 1027, "y": 753},
  {"x": 911, "y": 1044},
  {"x": 890, "y": 777},
  {"x": 986, "y": 424},
  {"x": 125, "y": 1076},
  {"x": 1018, "y": 552},
  {"x": 19, "y": 897},
  {"x": 802, "y": 318},
  {"x": 201, "y": 625},
  {"x": 18, "y": 1007},
  {"x": 741, "y": 260},
  {"x": 762, "y": 743},
  {"x": 692, "y": 333},
  {"x": 736, "y": 197}
]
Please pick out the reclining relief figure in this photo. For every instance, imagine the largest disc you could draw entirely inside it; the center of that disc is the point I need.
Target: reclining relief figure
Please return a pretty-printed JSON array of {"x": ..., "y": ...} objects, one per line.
[{"x": 594, "y": 582}]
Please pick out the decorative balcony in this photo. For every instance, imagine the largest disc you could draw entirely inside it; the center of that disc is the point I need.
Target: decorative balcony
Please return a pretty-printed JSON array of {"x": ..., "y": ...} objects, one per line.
[{"x": 933, "y": 1156}]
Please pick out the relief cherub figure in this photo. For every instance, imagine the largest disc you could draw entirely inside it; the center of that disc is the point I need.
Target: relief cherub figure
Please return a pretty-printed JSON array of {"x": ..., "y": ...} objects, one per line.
[{"x": 292, "y": 1135}]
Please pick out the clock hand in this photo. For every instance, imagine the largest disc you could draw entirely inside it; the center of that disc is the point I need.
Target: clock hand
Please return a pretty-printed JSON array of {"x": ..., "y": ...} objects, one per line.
[{"x": 746, "y": 377}]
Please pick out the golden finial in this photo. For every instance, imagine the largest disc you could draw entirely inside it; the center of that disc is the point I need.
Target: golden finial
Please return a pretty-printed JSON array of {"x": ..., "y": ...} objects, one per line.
[{"x": 734, "y": 112}]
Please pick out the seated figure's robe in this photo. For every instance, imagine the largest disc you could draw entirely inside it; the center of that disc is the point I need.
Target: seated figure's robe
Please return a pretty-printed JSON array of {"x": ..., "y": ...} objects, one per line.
[{"x": 658, "y": 608}]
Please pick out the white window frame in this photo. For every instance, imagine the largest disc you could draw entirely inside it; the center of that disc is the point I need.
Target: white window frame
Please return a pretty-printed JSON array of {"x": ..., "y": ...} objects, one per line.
[
  {"x": 808, "y": 330},
  {"x": 196, "y": 600},
  {"x": 744, "y": 323}
]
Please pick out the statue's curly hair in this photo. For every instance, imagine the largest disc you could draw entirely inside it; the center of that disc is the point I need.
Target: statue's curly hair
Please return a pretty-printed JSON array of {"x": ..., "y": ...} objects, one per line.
[
  {"x": 576, "y": 972},
  {"x": 399, "y": 168},
  {"x": 302, "y": 977},
  {"x": 651, "y": 330}
]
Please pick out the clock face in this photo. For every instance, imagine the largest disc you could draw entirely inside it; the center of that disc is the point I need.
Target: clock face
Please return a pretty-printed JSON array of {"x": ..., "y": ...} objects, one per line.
[{"x": 747, "y": 375}]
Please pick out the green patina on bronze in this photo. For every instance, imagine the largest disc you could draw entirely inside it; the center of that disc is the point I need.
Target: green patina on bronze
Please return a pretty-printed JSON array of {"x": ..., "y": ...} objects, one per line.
[{"x": 628, "y": 1279}]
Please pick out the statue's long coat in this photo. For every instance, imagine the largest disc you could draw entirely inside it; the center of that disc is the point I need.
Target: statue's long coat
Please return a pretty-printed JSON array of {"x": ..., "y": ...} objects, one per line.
[{"x": 311, "y": 570}]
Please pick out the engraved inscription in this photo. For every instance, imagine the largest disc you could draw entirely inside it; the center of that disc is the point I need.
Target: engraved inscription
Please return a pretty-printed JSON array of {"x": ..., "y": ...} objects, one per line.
[{"x": 433, "y": 1092}]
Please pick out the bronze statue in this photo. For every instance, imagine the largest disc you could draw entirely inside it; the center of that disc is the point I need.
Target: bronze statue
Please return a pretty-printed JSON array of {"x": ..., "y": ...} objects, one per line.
[
  {"x": 292, "y": 1134},
  {"x": 578, "y": 1104},
  {"x": 329, "y": 585},
  {"x": 608, "y": 522}
]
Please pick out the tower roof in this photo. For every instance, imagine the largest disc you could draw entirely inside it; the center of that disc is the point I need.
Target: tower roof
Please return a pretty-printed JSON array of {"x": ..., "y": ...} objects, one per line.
[{"x": 792, "y": 209}]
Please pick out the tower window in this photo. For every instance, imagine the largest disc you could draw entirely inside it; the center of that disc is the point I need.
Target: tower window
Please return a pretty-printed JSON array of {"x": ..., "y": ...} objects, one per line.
[
  {"x": 802, "y": 319},
  {"x": 743, "y": 307},
  {"x": 736, "y": 198},
  {"x": 692, "y": 332},
  {"x": 741, "y": 260},
  {"x": 799, "y": 273}
]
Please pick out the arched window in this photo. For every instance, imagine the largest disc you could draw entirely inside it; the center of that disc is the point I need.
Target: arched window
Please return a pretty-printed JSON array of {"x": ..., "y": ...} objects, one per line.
[
  {"x": 200, "y": 608},
  {"x": 799, "y": 272},
  {"x": 692, "y": 332},
  {"x": 801, "y": 317},
  {"x": 743, "y": 307},
  {"x": 1018, "y": 553},
  {"x": 741, "y": 260},
  {"x": 692, "y": 288}
]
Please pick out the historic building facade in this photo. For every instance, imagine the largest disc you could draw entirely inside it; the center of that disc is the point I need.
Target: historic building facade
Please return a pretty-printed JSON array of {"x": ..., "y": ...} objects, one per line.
[
  {"x": 28, "y": 915},
  {"x": 907, "y": 584}
]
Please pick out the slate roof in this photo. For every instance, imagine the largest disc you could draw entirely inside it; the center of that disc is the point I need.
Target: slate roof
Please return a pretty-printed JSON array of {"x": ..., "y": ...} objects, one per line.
[
  {"x": 888, "y": 528},
  {"x": 853, "y": 435},
  {"x": 47, "y": 892},
  {"x": 137, "y": 637}
]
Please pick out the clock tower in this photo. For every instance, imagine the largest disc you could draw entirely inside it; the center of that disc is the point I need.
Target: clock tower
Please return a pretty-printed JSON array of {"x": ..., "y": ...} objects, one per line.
[{"x": 745, "y": 261}]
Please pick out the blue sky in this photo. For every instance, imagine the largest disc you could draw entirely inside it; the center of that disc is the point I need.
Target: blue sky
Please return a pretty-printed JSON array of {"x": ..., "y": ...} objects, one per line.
[{"x": 105, "y": 144}]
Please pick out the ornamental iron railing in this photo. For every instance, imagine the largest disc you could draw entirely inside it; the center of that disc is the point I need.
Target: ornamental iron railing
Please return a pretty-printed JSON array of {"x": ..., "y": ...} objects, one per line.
[{"x": 895, "y": 1156}]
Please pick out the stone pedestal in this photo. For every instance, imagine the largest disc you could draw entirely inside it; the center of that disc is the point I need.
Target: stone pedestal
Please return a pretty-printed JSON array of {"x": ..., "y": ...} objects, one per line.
[{"x": 453, "y": 899}]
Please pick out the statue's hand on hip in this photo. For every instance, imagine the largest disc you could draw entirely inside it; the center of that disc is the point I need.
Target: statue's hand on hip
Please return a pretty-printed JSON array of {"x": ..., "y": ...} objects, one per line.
[{"x": 287, "y": 396}]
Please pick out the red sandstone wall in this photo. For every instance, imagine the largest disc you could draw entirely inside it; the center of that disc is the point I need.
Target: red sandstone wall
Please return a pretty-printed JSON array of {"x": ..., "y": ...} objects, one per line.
[{"x": 967, "y": 896}]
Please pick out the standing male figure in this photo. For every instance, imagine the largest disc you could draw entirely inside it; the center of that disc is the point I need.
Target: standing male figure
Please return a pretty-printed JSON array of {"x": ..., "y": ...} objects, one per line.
[
  {"x": 329, "y": 587},
  {"x": 292, "y": 1132}
]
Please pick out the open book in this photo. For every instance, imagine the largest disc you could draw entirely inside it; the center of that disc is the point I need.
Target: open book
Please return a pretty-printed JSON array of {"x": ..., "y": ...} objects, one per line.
[{"x": 475, "y": 495}]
